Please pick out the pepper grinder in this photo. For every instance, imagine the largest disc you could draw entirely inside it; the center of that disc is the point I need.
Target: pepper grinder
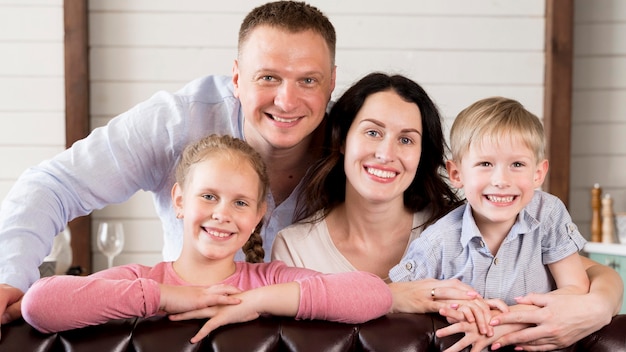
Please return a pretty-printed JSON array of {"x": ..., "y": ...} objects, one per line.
[
  {"x": 608, "y": 227},
  {"x": 596, "y": 219}
]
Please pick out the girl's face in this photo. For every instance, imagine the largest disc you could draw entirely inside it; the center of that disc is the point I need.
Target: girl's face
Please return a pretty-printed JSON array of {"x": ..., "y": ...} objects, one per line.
[
  {"x": 220, "y": 205},
  {"x": 383, "y": 147}
]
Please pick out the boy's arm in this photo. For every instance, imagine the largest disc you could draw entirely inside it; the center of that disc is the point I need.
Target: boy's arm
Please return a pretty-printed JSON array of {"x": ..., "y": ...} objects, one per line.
[{"x": 570, "y": 275}]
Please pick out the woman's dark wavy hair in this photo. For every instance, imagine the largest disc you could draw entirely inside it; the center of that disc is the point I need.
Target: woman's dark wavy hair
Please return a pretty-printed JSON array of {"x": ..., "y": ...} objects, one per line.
[{"x": 324, "y": 185}]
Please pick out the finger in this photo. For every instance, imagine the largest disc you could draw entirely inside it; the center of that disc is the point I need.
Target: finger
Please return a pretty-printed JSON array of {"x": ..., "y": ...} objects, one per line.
[
  {"x": 537, "y": 347},
  {"x": 539, "y": 300},
  {"x": 194, "y": 314},
  {"x": 498, "y": 304},
  {"x": 451, "y": 314},
  {"x": 226, "y": 300},
  {"x": 206, "y": 329},
  {"x": 450, "y": 330},
  {"x": 520, "y": 336},
  {"x": 13, "y": 312},
  {"x": 516, "y": 317},
  {"x": 452, "y": 293},
  {"x": 223, "y": 289}
]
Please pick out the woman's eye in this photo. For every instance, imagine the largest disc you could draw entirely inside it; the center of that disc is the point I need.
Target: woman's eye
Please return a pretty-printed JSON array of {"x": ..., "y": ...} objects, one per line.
[
  {"x": 372, "y": 133},
  {"x": 405, "y": 140}
]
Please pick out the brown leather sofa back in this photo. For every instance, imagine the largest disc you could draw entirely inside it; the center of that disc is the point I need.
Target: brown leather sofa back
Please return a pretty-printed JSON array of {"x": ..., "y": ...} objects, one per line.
[{"x": 394, "y": 332}]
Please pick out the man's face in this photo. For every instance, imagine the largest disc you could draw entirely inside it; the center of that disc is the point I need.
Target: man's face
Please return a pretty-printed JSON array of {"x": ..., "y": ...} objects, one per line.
[{"x": 284, "y": 82}]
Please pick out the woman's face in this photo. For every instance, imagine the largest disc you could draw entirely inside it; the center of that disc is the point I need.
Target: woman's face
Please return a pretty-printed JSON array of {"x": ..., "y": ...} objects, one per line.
[{"x": 383, "y": 147}]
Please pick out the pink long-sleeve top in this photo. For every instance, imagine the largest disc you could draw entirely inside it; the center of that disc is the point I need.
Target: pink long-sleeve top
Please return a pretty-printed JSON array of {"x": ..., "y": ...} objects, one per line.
[{"x": 66, "y": 302}]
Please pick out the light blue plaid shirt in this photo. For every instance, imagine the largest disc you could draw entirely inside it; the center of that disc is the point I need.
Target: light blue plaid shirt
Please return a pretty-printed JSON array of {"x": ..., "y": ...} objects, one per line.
[
  {"x": 137, "y": 150},
  {"x": 453, "y": 248}
]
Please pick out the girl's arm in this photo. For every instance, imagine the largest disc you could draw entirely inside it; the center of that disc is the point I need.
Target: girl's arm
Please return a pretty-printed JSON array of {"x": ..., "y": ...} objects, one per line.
[
  {"x": 351, "y": 297},
  {"x": 67, "y": 302}
]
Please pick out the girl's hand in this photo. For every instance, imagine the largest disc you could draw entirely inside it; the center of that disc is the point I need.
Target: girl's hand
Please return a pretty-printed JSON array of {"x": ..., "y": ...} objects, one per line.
[{"x": 178, "y": 299}]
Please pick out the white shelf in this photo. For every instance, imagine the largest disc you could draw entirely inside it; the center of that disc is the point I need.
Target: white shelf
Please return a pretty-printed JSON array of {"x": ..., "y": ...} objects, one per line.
[{"x": 605, "y": 248}]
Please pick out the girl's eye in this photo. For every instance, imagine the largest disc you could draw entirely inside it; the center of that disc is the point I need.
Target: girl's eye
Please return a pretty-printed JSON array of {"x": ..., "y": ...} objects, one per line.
[
  {"x": 241, "y": 203},
  {"x": 518, "y": 164},
  {"x": 484, "y": 163}
]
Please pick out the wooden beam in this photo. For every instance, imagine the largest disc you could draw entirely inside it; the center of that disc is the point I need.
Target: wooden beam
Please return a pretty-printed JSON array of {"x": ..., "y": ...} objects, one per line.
[
  {"x": 558, "y": 94},
  {"x": 75, "y": 14}
]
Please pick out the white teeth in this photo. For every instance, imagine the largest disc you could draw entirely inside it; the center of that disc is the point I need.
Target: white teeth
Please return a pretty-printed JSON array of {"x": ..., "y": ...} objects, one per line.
[
  {"x": 496, "y": 199},
  {"x": 381, "y": 173},
  {"x": 218, "y": 234},
  {"x": 282, "y": 120}
]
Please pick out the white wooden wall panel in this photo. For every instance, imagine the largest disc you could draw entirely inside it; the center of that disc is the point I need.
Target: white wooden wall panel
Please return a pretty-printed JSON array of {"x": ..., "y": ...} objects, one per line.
[
  {"x": 31, "y": 85},
  {"x": 599, "y": 106},
  {"x": 459, "y": 52}
]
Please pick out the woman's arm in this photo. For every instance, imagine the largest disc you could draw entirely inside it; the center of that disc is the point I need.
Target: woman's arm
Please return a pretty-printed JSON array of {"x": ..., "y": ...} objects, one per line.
[{"x": 565, "y": 319}]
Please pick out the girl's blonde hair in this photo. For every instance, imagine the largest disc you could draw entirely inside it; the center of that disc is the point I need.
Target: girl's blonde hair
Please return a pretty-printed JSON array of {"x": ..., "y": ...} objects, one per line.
[
  {"x": 234, "y": 149},
  {"x": 496, "y": 118}
]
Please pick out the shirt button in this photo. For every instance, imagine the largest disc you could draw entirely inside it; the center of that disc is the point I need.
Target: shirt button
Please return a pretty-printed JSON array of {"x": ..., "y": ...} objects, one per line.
[
  {"x": 482, "y": 244},
  {"x": 408, "y": 266},
  {"x": 495, "y": 261}
]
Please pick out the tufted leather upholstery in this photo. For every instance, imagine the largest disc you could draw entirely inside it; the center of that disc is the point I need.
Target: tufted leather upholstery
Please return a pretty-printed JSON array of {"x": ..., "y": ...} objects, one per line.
[{"x": 394, "y": 332}]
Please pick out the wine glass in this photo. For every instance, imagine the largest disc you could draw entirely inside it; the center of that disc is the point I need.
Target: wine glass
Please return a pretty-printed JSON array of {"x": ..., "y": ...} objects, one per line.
[{"x": 110, "y": 239}]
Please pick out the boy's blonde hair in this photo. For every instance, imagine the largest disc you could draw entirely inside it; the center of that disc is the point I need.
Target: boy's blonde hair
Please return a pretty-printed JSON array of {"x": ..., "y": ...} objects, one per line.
[{"x": 496, "y": 118}]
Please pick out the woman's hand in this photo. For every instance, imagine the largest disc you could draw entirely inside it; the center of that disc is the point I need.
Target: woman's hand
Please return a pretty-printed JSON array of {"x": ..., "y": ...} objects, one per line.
[
  {"x": 178, "y": 299},
  {"x": 428, "y": 295}
]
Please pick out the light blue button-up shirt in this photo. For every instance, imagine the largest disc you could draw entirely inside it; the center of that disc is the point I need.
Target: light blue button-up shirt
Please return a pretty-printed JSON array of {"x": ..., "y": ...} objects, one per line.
[
  {"x": 453, "y": 248},
  {"x": 137, "y": 150}
]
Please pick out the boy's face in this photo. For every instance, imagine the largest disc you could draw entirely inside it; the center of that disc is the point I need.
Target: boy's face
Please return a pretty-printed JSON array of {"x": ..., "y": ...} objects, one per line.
[
  {"x": 499, "y": 179},
  {"x": 284, "y": 82}
]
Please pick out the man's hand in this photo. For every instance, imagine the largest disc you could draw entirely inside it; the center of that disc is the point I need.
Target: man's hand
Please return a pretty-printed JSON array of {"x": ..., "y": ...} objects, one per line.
[
  {"x": 10, "y": 302},
  {"x": 560, "y": 321}
]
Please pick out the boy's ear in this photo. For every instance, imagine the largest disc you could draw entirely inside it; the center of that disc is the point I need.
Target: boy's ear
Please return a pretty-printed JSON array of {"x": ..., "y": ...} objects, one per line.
[
  {"x": 541, "y": 172},
  {"x": 454, "y": 174}
]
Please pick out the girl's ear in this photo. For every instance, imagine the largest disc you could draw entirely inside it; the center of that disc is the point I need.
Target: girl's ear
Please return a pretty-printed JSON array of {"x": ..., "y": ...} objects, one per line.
[
  {"x": 177, "y": 199},
  {"x": 454, "y": 174}
]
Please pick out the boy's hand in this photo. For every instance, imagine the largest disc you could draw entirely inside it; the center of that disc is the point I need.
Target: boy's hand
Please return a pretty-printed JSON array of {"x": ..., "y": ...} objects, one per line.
[{"x": 476, "y": 311}]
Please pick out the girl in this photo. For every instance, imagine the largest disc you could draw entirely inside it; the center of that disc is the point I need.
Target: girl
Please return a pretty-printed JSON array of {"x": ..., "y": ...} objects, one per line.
[{"x": 220, "y": 193}]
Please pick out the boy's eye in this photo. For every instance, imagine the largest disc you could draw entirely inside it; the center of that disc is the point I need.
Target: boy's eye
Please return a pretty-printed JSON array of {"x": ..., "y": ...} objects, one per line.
[
  {"x": 484, "y": 163},
  {"x": 517, "y": 164},
  {"x": 208, "y": 197}
]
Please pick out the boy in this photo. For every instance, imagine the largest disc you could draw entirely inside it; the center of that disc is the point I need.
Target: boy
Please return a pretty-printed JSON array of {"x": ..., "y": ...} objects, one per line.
[{"x": 510, "y": 239}]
